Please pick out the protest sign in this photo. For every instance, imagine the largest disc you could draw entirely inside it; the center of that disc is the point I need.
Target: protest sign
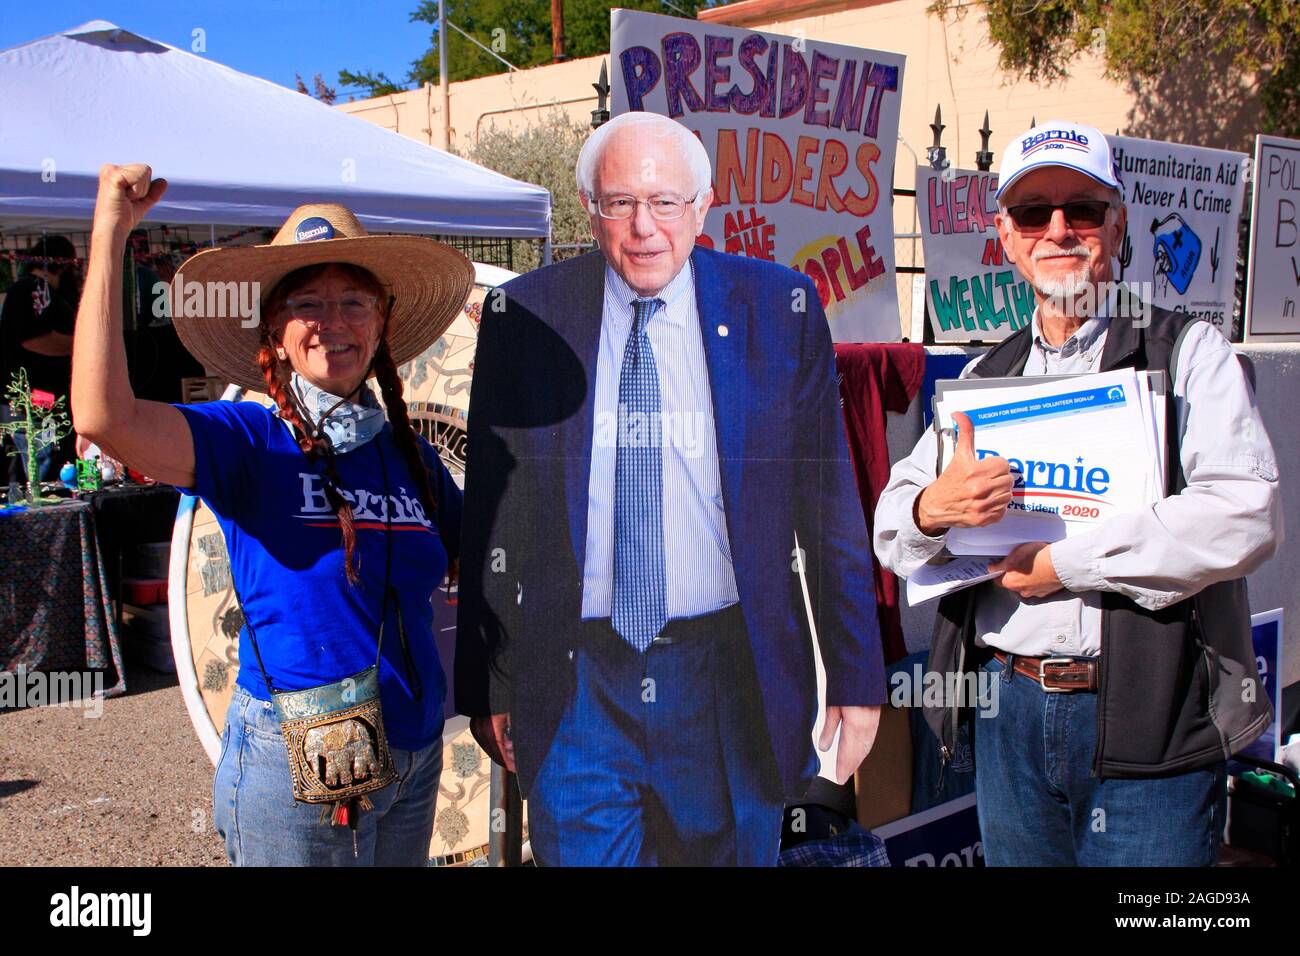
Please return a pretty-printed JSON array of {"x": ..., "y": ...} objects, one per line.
[
  {"x": 971, "y": 291},
  {"x": 1273, "y": 285},
  {"x": 1184, "y": 206},
  {"x": 802, "y": 137},
  {"x": 946, "y": 835},
  {"x": 1266, "y": 637}
]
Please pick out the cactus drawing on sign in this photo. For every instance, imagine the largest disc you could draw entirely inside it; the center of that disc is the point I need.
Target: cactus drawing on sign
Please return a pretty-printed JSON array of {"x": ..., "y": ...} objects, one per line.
[{"x": 1125, "y": 253}]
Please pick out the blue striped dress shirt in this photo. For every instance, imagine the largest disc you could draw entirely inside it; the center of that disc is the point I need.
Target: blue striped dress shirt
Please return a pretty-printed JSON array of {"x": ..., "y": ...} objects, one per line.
[{"x": 701, "y": 578}]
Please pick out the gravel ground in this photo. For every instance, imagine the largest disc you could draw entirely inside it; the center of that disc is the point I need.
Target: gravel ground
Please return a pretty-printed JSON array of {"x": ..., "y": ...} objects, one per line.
[{"x": 131, "y": 788}]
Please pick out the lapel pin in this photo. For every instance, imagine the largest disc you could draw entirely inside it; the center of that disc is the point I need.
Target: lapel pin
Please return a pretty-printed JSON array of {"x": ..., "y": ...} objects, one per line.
[{"x": 723, "y": 331}]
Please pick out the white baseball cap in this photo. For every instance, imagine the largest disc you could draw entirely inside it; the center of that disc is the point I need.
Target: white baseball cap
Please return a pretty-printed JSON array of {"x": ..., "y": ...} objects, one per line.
[{"x": 1058, "y": 143}]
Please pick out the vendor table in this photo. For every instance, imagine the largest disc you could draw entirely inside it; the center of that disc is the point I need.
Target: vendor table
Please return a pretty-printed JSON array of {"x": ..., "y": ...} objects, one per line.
[
  {"x": 55, "y": 611},
  {"x": 128, "y": 515}
]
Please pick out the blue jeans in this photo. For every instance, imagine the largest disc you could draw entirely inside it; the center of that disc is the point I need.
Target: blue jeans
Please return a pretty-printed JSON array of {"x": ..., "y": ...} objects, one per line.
[
  {"x": 1040, "y": 805},
  {"x": 662, "y": 758},
  {"x": 255, "y": 812}
]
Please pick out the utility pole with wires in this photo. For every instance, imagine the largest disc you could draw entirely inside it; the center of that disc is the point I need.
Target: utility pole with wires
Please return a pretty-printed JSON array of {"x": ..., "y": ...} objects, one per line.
[{"x": 557, "y": 31}]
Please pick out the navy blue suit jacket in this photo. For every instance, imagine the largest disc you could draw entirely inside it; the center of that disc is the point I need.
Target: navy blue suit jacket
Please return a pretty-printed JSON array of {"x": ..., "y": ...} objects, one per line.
[{"x": 785, "y": 469}]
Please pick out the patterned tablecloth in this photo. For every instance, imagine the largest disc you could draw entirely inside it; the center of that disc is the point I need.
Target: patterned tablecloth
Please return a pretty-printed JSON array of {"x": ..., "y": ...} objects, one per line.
[{"x": 55, "y": 611}]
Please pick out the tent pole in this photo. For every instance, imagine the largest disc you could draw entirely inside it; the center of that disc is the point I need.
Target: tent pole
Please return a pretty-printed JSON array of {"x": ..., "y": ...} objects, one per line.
[
  {"x": 546, "y": 251},
  {"x": 442, "y": 75},
  {"x": 212, "y": 233}
]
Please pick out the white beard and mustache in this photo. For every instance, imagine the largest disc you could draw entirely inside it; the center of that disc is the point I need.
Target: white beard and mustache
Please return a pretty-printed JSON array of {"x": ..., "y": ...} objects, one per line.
[{"x": 1067, "y": 287}]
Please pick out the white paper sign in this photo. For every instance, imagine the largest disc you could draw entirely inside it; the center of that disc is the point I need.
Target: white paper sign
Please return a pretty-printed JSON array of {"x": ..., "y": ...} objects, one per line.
[
  {"x": 1273, "y": 286},
  {"x": 1184, "y": 208},
  {"x": 1082, "y": 450},
  {"x": 971, "y": 291},
  {"x": 802, "y": 136}
]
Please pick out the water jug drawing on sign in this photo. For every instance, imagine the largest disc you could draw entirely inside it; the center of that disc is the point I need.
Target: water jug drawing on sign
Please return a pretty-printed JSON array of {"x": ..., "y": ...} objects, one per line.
[{"x": 1177, "y": 251}]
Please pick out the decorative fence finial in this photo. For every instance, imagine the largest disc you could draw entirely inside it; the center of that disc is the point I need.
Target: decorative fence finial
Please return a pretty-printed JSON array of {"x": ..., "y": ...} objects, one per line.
[
  {"x": 600, "y": 115},
  {"x": 984, "y": 158},
  {"x": 937, "y": 155}
]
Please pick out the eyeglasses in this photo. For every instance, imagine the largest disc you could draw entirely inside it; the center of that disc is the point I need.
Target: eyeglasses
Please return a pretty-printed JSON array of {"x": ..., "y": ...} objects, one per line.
[
  {"x": 1037, "y": 216},
  {"x": 664, "y": 208},
  {"x": 354, "y": 308}
]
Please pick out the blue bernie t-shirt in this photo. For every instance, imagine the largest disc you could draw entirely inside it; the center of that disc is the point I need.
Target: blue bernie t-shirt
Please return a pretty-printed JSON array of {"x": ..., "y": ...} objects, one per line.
[{"x": 286, "y": 559}]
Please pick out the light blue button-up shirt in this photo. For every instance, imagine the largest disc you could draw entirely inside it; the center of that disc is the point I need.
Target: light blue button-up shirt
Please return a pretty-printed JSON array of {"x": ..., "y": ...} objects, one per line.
[{"x": 700, "y": 575}]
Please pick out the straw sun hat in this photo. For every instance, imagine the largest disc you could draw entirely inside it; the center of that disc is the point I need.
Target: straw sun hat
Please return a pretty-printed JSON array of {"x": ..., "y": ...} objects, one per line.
[{"x": 428, "y": 280}]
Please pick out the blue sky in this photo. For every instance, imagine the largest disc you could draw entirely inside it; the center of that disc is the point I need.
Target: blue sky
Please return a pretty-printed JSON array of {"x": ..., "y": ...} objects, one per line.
[{"x": 268, "y": 38}]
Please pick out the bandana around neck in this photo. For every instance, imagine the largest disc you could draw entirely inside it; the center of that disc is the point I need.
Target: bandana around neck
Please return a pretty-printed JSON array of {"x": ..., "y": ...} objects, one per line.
[{"x": 351, "y": 424}]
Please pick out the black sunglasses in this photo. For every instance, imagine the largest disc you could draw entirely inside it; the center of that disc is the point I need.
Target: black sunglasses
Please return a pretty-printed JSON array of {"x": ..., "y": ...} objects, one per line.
[{"x": 1083, "y": 214}]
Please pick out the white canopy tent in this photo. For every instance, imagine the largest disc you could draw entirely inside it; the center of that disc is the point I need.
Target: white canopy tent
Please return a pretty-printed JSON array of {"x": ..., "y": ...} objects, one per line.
[{"x": 235, "y": 150}]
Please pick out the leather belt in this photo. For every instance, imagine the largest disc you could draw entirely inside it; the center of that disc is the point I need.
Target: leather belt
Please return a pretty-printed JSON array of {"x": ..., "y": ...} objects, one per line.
[
  {"x": 1056, "y": 675},
  {"x": 710, "y": 626}
]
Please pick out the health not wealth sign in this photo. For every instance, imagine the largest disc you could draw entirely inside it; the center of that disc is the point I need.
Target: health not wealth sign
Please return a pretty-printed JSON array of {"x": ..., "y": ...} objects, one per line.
[
  {"x": 971, "y": 291},
  {"x": 802, "y": 137}
]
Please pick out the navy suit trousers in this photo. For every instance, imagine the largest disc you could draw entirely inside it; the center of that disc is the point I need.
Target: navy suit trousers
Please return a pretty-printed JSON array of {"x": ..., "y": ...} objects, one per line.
[{"x": 661, "y": 758}]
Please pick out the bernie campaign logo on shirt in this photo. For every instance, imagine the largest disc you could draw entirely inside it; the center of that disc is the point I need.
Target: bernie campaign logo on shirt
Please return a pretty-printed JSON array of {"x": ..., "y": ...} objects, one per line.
[
  {"x": 312, "y": 229},
  {"x": 1054, "y": 139},
  {"x": 370, "y": 511}
]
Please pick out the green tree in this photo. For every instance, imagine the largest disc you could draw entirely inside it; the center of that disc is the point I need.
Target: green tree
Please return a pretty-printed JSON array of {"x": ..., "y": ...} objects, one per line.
[
  {"x": 376, "y": 84},
  {"x": 518, "y": 31},
  {"x": 1146, "y": 40},
  {"x": 544, "y": 153}
]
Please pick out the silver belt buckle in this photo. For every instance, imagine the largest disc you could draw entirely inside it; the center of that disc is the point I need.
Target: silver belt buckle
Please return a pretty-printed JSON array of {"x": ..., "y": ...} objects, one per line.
[{"x": 1042, "y": 674}]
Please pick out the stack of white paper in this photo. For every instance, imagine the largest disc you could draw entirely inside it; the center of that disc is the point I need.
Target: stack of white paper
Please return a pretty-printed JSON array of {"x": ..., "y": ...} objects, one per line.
[
  {"x": 947, "y": 573},
  {"x": 1081, "y": 448}
]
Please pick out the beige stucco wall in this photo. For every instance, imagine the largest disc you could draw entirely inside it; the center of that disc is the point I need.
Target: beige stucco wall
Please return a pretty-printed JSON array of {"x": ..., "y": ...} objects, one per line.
[{"x": 507, "y": 100}]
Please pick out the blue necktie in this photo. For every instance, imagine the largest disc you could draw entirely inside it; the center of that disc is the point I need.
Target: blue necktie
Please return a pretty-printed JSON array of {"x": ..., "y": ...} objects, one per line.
[{"x": 640, "y": 602}]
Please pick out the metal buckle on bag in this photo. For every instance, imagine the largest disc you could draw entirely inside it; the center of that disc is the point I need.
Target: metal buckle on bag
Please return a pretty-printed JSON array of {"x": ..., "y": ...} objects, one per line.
[{"x": 1042, "y": 674}]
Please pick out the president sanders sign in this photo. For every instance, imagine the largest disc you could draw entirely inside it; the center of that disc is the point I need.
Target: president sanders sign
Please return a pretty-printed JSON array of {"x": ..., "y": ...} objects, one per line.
[{"x": 802, "y": 137}]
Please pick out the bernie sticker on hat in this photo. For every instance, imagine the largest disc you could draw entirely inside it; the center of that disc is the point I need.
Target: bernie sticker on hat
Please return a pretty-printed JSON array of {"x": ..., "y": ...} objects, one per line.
[{"x": 313, "y": 228}]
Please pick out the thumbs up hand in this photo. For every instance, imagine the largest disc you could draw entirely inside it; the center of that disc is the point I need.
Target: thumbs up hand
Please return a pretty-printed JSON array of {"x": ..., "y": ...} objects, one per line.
[{"x": 972, "y": 492}]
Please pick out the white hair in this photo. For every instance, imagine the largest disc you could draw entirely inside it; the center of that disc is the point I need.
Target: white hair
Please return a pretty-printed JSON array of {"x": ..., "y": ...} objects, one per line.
[{"x": 646, "y": 124}]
